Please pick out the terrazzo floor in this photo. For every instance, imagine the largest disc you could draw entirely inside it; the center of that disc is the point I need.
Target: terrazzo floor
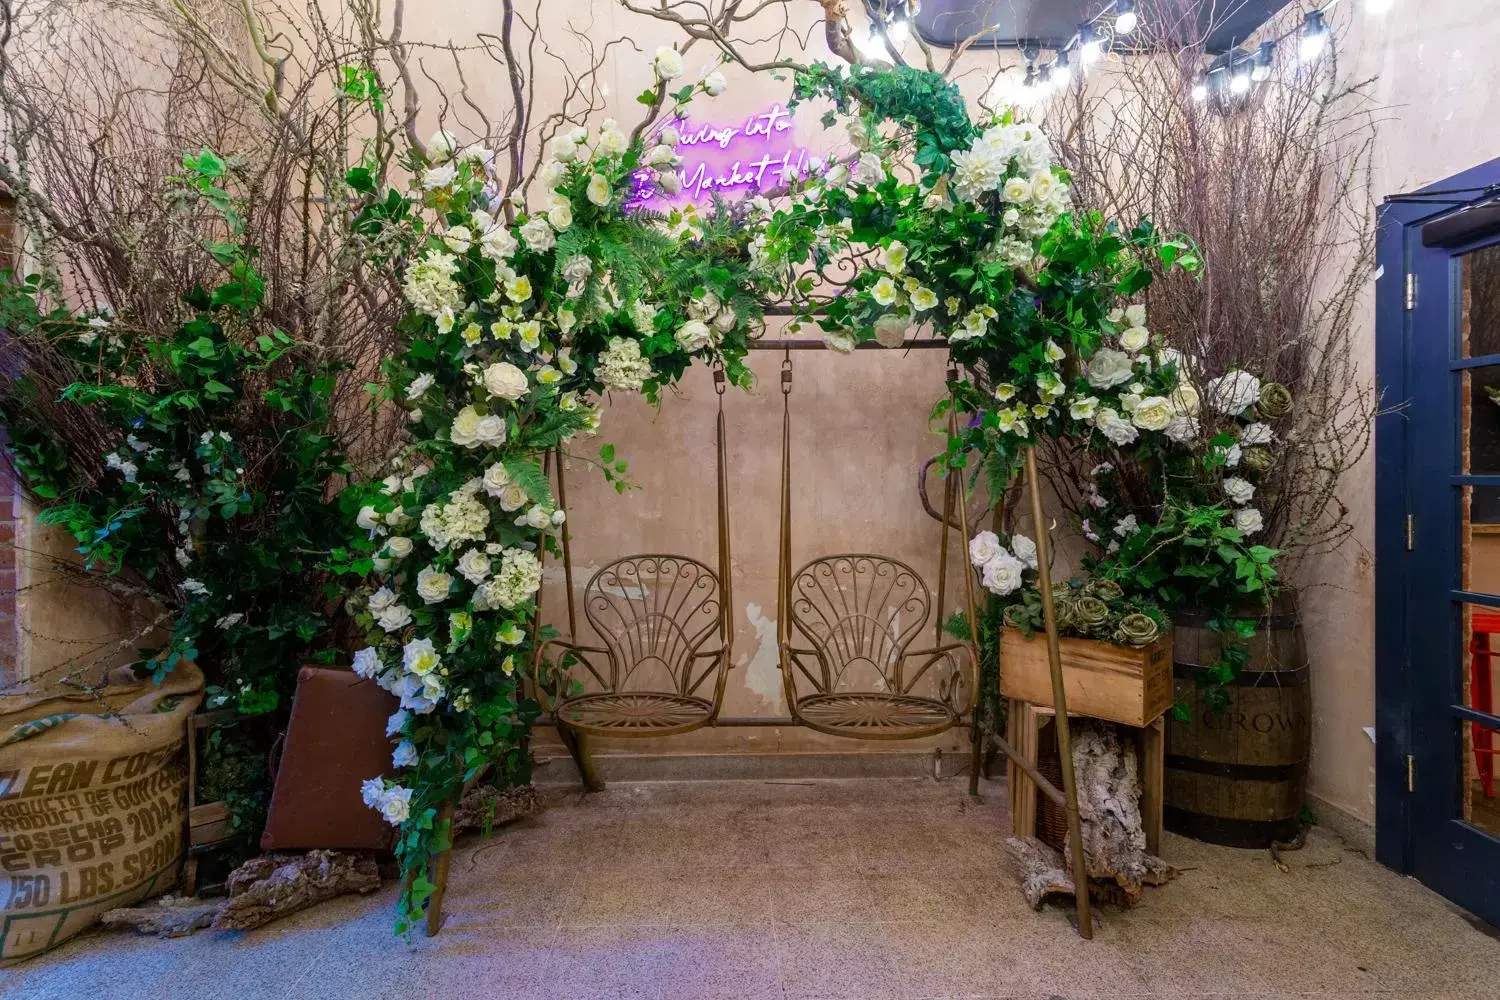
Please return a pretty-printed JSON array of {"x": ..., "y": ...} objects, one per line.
[{"x": 870, "y": 889}]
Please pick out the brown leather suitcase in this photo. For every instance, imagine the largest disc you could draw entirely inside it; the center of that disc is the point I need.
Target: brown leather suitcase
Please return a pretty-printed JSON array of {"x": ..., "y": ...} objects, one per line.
[{"x": 335, "y": 740}]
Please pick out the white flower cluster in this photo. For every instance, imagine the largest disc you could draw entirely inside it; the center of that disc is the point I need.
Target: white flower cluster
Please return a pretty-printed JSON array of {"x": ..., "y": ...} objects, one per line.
[
  {"x": 1003, "y": 569},
  {"x": 1119, "y": 373},
  {"x": 431, "y": 286},
  {"x": 392, "y": 801},
  {"x": 621, "y": 365},
  {"x": 462, "y": 518},
  {"x": 1015, "y": 161},
  {"x": 517, "y": 579}
]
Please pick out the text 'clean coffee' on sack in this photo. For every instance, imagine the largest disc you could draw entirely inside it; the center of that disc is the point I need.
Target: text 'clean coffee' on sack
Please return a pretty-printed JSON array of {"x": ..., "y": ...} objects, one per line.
[{"x": 93, "y": 801}]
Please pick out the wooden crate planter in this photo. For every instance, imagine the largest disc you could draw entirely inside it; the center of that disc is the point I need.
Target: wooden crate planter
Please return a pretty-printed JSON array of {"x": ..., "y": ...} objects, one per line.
[{"x": 1128, "y": 684}]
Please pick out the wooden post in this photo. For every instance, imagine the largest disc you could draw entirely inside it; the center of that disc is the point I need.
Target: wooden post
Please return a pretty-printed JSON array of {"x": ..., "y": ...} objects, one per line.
[
  {"x": 1059, "y": 698},
  {"x": 440, "y": 870}
]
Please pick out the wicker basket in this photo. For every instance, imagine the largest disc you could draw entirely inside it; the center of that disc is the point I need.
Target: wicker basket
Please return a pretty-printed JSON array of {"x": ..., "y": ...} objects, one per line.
[{"x": 1051, "y": 818}]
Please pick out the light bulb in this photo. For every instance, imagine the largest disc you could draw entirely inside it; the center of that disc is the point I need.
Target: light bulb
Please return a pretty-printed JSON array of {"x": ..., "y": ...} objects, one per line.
[
  {"x": 1314, "y": 36},
  {"x": 1090, "y": 45},
  {"x": 1062, "y": 71},
  {"x": 1126, "y": 19},
  {"x": 898, "y": 32},
  {"x": 1239, "y": 83},
  {"x": 1200, "y": 90}
]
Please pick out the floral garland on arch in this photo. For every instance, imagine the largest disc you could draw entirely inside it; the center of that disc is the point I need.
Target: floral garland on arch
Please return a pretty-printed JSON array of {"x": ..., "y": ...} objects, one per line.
[{"x": 518, "y": 322}]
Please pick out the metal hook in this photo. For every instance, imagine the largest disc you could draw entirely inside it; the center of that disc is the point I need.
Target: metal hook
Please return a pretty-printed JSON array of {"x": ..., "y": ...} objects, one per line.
[
  {"x": 786, "y": 373},
  {"x": 719, "y": 378}
]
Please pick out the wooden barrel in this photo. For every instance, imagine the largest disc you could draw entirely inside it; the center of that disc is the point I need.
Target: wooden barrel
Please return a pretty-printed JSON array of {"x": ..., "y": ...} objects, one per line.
[{"x": 1238, "y": 777}]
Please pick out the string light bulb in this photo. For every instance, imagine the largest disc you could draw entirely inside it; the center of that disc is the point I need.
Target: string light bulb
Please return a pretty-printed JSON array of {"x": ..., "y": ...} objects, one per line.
[
  {"x": 1239, "y": 73},
  {"x": 1126, "y": 19},
  {"x": 1261, "y": 70},
  {"x": 1062, "y": 70},
  {"x": 1314, "y": 36},
  {"x": 1200, "y": 89},
  {"x": 1090, "y": 45}
]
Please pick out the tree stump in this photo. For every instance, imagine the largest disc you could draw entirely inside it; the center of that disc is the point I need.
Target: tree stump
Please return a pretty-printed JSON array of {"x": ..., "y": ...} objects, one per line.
[{"x": 268, "y": 888}]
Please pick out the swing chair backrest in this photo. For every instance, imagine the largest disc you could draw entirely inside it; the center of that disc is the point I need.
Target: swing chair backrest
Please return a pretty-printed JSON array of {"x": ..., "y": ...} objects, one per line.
[
  {"x": 654, "y": 614},
  {"x": 860, "y": 613}
]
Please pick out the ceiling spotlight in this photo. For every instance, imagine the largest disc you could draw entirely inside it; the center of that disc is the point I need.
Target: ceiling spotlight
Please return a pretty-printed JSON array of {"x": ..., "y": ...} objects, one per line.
[
  {"x": 1126, "y": 18},
  {"x": 1261, "y": 70},
  {"x": 1090, "y": 45},
  {"x": 1314, "y": 36}
]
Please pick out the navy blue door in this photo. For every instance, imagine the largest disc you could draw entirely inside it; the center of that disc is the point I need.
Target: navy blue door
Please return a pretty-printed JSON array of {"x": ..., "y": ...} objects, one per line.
[{"x": 1451, "y": 306}]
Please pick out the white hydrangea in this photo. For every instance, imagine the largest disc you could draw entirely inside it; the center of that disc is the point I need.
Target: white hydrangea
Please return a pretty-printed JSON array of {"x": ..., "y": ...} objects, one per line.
[
  {"x": 430, "y": 284},
  {"x": 621, "y": 365},
  {"x": 519, "y": 577}
]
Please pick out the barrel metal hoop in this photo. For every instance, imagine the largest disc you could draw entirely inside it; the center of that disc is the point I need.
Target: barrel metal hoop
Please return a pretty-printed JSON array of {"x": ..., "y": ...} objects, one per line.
[{"x": 1238, "y": 772}]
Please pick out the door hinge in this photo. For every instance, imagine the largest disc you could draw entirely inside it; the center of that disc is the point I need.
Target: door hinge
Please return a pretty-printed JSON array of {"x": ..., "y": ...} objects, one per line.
[
  {"x": 1411, "y": 532},
  {"x": 1411, "y": 773},
  {"x": 1411, "y": 290}
]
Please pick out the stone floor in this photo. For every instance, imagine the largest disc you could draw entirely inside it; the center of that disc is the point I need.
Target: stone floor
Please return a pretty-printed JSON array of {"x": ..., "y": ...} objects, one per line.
[{"x": 860, "y": 889}]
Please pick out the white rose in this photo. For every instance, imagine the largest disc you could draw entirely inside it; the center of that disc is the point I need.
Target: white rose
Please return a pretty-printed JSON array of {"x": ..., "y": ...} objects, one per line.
[
  {"x": 1017, "y": 189},
  {"x": 890, "y": 330},
  {"x": 497, "y": 243},
  {"x": 1248, "y": 521},
  {"x": 433, "y": 585},
  {"x": 1256, "y": 434},
  {"x": 495, "y": 479},
  {"x": 694, "y": 335},
  {"x": 474, "y": 566},
  {"x": 367, "y": 518},
  {"x": 504, "y": 380},
  {"x": 1182, "y": 429},
  {"x": 1003, "y": 574},
  {"x": 837, "y": 176},
  {"x": 394, "y": 618},
  {"x": 420, "y": 385},
  {"x": 1238, "y": 490},
  {"x": 1233, "y": 391},
  {"x": 669, "y": 136},
  {"x": 512, "y": 497},
  {"x": 1232, "y": 456},
  {"x": 840, "y": 343},
  {"x": 563, "y": 152},
  {"x": 382, "y": 599},
  {"x": 1084, "y": 408},
  {"x": 464, "y": 431},
  {"x": 1152, "y": 413},
  {"x": 714, "y": 84},
  {"x": 612, "y": 141},
  {"x": 669, "y": 181},
  {"x": 1135, "y": 339},
  {"x": 538, "y": 234},
  {"x": 668, "y": 63},
  {"x": 491, "y": 430},
  {"x": 868, "y": 170},
  {"x": 1024, "y": 548},
  {"x": 458, "y": 239},
  {"x": 1108, "y": 368},
  {"x": 399, "y": 546},
  {"x": 662, "y": 156},
  {"x": 724, "y": 322},
  {"x": 367, "y": 662},
  {"x": 440, "y": 146},
  {"x": 1115, "y": 427},
  {"x": 438, "y": 177},
  {"x": 560, "y": 217},
  {"x": 395, "y": 807},
  {"x": 1185, "y": 399},
  {"x": 984, "y": 547},
  {"x": 598, "y": 190}
]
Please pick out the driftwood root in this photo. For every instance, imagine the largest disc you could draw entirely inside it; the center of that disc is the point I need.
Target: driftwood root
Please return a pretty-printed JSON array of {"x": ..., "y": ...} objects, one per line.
[
  {"x": 168, "y": 917},
  {"x": 268, "y": 888},
  {"x": 486, "y": 807}
]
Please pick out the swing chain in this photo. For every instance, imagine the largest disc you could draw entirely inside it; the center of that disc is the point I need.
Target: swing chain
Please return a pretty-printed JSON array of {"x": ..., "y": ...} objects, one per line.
[{"x": 719, "y": 378}]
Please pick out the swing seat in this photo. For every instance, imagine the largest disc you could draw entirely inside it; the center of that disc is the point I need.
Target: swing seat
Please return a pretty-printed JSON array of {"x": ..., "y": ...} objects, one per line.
[
  {"x": 652, "y": 676},
  {"x": 858, "y": 676}
]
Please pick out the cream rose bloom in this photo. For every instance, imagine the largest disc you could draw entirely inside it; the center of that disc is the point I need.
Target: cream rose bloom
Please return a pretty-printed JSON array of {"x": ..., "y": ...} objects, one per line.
[
  {"x": 465, "y": 428},
  {"x": 496, "y": 478},
  {"x": 474, "y": 566},
  {"x": 598, "y": 190},
  {"x": 512, "y": 497},
  {"x": 694, "y": 335},
  {"x": 433, "y": 585},
  {"x": 504, "y": 380},
  {"x": 1152, "y": 413},
  {"x": 890, "y": 330},
  {"x": 1185, "y": 400},
  {"x": 1135, "y": 339},
  {"x": 983, "y": 547},
  {"x": 399, "y": 546},
  {"x": 668, "y": 63},
  {"x": 1108, "y": 368}
]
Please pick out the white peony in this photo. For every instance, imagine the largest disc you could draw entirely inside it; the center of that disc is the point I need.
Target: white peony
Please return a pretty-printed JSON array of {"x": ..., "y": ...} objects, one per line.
[
  {"x": 984, "y": 547},
  {"x": 1108, "y": 368},
  {"x": 504, "y": 380},
  {"x": 433, "y": 585},
  {"x": 694, "y": 335},
  {"x": 1248, "y": 521},
  {"x": 1119, "y": 430},
  {"x": 612, "y": 142},
  {"x": 1024, "y": 548},
  {"x": 1233, "y": 391},
  {"x": 662, "y": 156},
  {"x": 1256, "y": 434},
  {"x": 668, "y": 63},
  {"x": 714, "y": 84},
  {"x": 1003, "y": 574},
  {"x": 1152, "y": 413},
  {"x": 1238, "y": 490}
]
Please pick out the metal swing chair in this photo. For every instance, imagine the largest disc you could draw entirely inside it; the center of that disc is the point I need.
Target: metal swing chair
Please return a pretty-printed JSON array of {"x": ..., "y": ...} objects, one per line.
[
  {"x": 850, "y": 670},
  {"x": 658, "y": 672}
]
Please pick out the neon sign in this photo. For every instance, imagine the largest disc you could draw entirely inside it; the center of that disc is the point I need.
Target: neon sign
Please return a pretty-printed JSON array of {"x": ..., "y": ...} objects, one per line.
[{"x": 730, "y": 160}]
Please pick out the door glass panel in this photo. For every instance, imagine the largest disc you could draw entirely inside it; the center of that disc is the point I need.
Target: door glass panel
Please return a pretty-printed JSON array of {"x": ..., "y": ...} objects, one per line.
[
  {"x": 1479, "y": 419},
  {"x": 1479, "y": 329},
  {"x": 1481, "y": 761},
  {"x": 1479, "y": 538},
  {"x": 1480, "y": 691}
]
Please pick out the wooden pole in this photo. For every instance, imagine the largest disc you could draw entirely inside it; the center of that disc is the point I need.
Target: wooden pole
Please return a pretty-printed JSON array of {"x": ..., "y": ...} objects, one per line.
[
  {"x": 440, "y": 870},
  {"x": 1059, "y": 698}
]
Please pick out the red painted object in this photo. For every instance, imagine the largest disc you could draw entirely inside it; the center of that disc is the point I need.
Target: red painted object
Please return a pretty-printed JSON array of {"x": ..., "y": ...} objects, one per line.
[{"x": 1481, "y": 694}]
